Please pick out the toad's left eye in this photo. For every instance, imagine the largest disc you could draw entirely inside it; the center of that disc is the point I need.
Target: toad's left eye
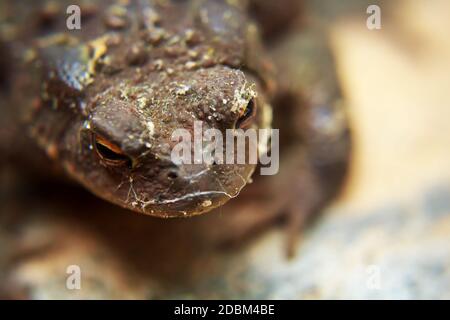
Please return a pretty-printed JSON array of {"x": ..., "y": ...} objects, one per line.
[
  {"x": 248, "y": 114},
  {"x": 110, "y": 153}
]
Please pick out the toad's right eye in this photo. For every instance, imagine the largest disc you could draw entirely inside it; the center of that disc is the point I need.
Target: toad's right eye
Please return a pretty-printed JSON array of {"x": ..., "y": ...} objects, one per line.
[
  {"x": 247, "y": 116},
  {"x": 110, "y": 153}
]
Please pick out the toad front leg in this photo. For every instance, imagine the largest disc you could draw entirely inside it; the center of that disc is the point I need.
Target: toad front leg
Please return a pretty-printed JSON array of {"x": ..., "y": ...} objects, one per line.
[{"x": 320, "y": 129}]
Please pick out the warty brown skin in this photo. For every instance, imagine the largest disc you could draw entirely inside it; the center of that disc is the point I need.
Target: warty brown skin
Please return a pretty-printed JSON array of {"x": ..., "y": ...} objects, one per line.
[
  {"x": 137, "y": 71},
  {"x": 170, "y": 63}
]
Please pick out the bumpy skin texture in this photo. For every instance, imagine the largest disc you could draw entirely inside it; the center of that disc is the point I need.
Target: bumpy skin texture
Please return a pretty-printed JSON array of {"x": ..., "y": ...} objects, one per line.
[
  {"x": 138, "y": 70},
  {"x": 134, "y": 73}
]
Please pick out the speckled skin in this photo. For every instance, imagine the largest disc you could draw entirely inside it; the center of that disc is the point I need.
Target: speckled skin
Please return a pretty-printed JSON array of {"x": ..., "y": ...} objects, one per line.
[{"x": 137, "y": 71}]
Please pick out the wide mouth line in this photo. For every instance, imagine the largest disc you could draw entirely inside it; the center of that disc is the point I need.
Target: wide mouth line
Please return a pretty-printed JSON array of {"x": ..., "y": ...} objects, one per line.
[{"x": 189, "y": 196}]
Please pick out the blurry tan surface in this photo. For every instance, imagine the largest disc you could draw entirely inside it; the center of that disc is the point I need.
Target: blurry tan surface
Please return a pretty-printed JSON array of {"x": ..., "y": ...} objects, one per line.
[{"x": 398, "y": 80}]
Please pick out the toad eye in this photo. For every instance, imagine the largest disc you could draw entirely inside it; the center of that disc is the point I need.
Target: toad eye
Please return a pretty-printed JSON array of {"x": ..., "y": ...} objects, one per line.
[
  {"x": 110, "y": 153},
  {"x": 248, "y": 114}
]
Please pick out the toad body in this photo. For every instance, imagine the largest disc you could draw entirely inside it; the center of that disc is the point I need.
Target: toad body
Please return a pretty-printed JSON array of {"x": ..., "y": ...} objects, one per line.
[{"x": 103, "y": 102}]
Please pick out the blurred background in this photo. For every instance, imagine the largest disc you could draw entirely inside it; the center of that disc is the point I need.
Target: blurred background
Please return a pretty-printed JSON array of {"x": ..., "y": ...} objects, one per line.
[{"x": 386, "y": 237}]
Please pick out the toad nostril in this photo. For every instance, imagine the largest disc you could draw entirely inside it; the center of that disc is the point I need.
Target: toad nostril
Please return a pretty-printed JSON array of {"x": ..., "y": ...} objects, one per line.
[{"x": 172, "y": 175}]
